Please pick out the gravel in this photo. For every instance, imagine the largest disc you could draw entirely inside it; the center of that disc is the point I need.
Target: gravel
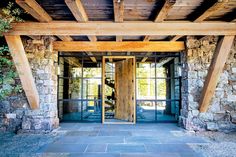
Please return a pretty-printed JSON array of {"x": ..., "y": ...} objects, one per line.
[{"x": 220, "y": 144}]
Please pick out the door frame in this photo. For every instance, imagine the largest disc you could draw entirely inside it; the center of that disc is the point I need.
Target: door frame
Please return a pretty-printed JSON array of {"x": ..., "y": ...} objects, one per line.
[{"x": 103, "y": 88}]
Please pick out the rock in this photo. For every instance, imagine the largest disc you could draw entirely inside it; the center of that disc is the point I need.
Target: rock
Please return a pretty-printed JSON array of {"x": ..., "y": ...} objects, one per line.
[
  {"x": 195, "y": 113},
  {"x": 233, "y": 116},
  {"x": 231, "y": 98},
  {"x": 10, "y": 115},
  {"x": 234, "y": 70},
  {"x": 212, "y": 126},
  {"x": 205, "y": 116}
]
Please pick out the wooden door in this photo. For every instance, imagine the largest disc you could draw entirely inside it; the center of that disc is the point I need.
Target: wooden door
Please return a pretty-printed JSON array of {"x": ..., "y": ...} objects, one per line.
[{"x": 125, "y": 89}]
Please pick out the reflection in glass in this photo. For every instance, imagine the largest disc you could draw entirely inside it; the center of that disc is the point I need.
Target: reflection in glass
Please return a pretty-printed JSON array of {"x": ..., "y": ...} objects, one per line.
[{"x": 145, "y": 111}]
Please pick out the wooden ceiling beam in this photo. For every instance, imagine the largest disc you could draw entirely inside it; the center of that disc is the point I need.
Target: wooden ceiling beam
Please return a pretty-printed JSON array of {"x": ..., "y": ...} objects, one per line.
[
  {"x": 23, "y": 68},
  {"x": 77, "y": 9},
  {"x": 125, "y": 28},
  {"x": 162, "y": 15},
  {"x": 35, "y": 10},
  {"x": 118, "y": 6},
  {"x": 76, "y": 46},
  {"x": 214, "y": 8},
  {"x": 217, "y": 65}
]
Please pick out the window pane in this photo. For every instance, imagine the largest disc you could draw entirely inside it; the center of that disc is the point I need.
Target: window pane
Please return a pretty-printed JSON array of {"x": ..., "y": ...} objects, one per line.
[
  {"x": 92, "y": 72},
  {"x": 92, "y": 111},
  {"x": 72, "y": 110},
  {"x": 145, "y": 70},
  {"x": 92, "y": 88},
  {"x": 146, "y": 89},
  {"x": 145, "y": 111}
]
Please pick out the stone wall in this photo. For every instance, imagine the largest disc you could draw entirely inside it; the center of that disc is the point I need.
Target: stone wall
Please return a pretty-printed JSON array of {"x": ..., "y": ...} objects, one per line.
[
  {"x": 221, "y": 114},
  {"x": 16, "y": 114}
]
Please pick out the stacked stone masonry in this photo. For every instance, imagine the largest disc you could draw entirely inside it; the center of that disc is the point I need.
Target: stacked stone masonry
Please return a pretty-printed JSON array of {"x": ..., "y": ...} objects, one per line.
[
  {"x": 221, "y": 114},
  {"x": 16, "y": 114}
]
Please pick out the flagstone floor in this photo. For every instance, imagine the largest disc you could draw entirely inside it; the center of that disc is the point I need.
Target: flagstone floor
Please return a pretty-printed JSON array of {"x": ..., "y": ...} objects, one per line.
[{"x": 98, "y": 140}]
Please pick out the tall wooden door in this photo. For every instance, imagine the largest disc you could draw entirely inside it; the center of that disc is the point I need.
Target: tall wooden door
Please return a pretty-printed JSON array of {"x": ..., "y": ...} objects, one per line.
[{"x": 125, "y": 89}]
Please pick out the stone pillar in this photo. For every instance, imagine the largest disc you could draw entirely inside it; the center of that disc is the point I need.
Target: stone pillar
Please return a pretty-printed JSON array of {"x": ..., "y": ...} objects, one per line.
[
  {"x": 223, "y": 105},
  {"x": 42, "y": 61}
]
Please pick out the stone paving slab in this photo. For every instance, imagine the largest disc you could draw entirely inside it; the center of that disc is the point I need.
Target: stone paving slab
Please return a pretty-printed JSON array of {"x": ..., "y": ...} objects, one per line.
[
  {"x": 65, "y": 148},
  {"x": 96, "y": 148},
  {"x": 90, "y": 140},
  {"x": 98, "y": 140},
  {"x": 126, "y": 148},
  {"x": 115, "y": 133}
]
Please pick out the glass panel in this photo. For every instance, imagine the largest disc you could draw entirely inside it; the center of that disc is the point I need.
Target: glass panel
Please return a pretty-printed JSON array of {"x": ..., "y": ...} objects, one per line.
[
  {"x": 145, "y": 70},
  {"x": 76, "y": 72},
  {"x": 92, "y": 72},
  {"x": 166, "y": 110},
  {"x": 162, "y": 89},
  {"x": 145, "y": 89},
  {"x": 92, "y": 88},
  {"x": 92, "y": 111},
  {"x": 145, "y": 111},
  {"x": 75, "y": 88},
  {"x": 72, "y": 110}
]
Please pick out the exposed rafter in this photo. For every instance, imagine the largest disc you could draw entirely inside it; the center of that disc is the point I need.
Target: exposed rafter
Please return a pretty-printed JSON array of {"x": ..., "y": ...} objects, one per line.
[
  {"x": 125, "y": 28},
  {"x": 217, "y": 64},
  {"x": 34, "y": 9},
  {"x": 77, "y": 9},
  {"x": 118, "y": 6},
  {"x": 23, "y": 68},
  {"x": 161, "y": 16},
  {"x": 216, "y": 7},
  {"x": 161, "y": 46}
]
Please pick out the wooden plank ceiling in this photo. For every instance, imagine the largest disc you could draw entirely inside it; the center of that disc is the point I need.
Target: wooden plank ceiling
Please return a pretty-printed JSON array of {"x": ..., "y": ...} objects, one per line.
[{"x": 137, "y": 10}]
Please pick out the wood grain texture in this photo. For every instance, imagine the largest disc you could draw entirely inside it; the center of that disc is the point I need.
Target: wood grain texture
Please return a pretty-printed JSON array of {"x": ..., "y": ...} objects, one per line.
[
  {"x": 162, "y": 15},
  {"x": 76, "y": 46},
  {"x": 214, "y": 8},
  {"x": 124, "y": 90},
  {"x": 23, "y": 68},
  {"x": 217, "y": 64},
  {"x": 34, "y": 9},
  {"x": 125, "y": 28},
  {"x": 77, "y": 9}
]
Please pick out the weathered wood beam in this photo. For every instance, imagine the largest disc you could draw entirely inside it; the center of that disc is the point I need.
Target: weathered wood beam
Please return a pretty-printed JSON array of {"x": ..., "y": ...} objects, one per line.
[
  {"x": 34, "y": 9},
  {"x": 73, "y": 61},
  {"x": 77, "y": 9},
  {"x": 145, "y": 58},
  {"x": 23, "y": 68},
  {"x": 76, "y": 46},
  {"x": 125, "y": 28},
  {"x": 214, "y": 8},
  {"x": 65, "y": 38},
  {"x": 118, "y": 6},
  {"x": 162, "y": 15},
  {"x": 217, "y": 64}
]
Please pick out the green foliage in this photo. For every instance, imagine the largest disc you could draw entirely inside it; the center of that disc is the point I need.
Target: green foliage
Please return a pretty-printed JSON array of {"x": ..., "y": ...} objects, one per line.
[
  {"x": 8, "y": 15},
  {"x": 8, "y": 73}
]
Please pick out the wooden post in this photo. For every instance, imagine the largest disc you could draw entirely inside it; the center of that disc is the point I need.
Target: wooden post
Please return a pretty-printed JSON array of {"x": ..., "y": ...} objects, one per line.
[
  {"x": 22, "y": 65},
  {"x": 215, "y": 69}
]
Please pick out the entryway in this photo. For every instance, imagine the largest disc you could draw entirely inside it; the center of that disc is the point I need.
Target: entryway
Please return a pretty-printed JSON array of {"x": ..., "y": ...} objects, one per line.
[{"x": 118, "y": 89}]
